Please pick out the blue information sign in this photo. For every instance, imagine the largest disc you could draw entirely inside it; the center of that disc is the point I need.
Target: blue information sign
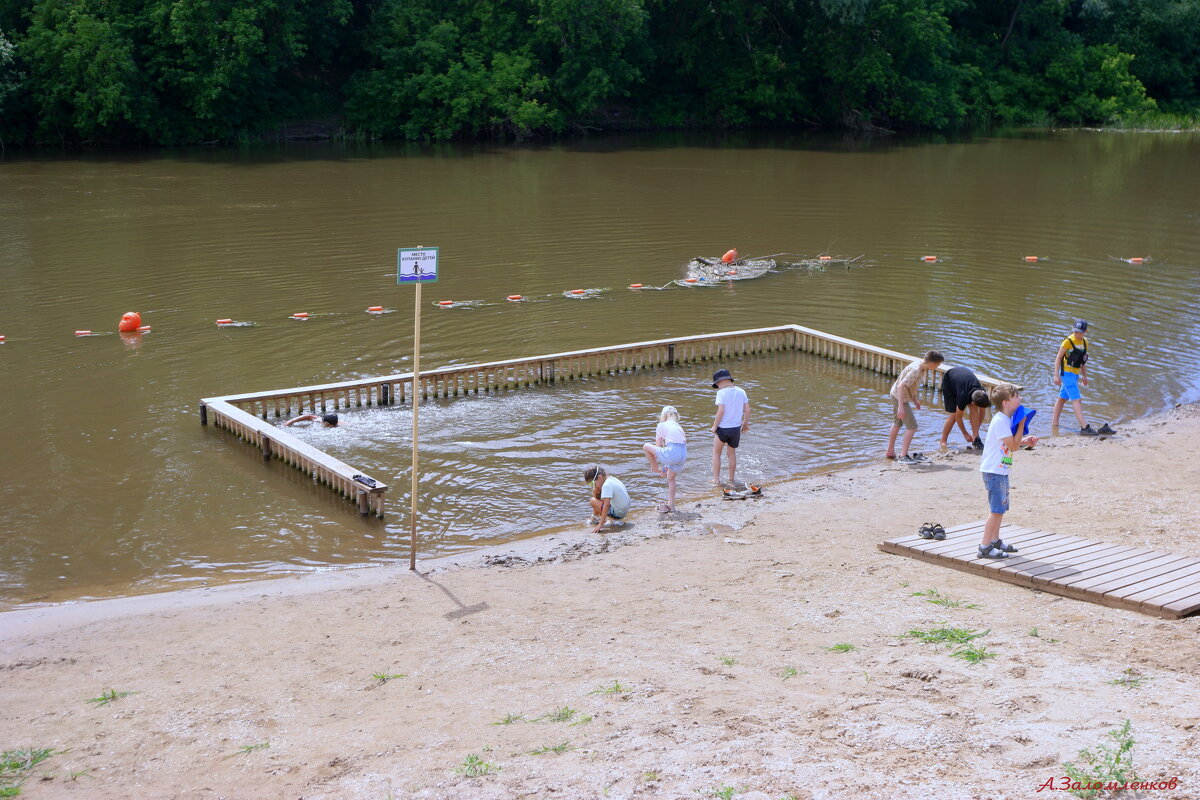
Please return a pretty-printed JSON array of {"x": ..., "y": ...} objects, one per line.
[{"x": 419, "y": 265}]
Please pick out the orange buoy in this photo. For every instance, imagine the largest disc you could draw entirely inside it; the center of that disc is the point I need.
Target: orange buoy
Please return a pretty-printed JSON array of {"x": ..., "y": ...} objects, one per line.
[
  {"x": 1031, "y": 259},
  {"x": 83, "y": 333},
  {"x": 374, "y": 309},
  {"x": 690, "y": 280},
  {"x": 1136, "y": 260},
  {"x": 224, "y": 322},
  {"x": 300, "y": 315},
  {"x": 1, "y": 338},
  {"x": 445, "y": 302},
  {"x": 825, "y": 258},
  {"x": 130, "y": 321},
  {"x": 929, "y": 258},
  {"x": 515, "y": 298},
  {"x": 143, "y": 329},
  {"x": 577, "y": 291},
  {"x": 730, "y": 256},
  {"x": 635, "y": 286}
]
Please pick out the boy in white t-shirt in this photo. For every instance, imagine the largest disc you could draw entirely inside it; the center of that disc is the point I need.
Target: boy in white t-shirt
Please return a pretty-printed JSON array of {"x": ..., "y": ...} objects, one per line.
[
  {"x": 732, "y": 420},
  {"x": 609, "y": 500},
  {"x": 667, "y": 452},
  {"x": 1003, "y": 438}
]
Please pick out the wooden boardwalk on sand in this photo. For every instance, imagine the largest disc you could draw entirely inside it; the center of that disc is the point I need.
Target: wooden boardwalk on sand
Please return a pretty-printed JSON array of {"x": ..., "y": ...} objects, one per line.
[{"x": 1150, "y": 581}]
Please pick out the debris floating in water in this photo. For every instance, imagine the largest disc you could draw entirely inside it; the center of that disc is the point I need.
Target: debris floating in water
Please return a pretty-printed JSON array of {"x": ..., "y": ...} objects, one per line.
[
  {"x": 583, "y": 294},
  {"x": 709, "y": 271},
  {"x": 713, "y": 271}
]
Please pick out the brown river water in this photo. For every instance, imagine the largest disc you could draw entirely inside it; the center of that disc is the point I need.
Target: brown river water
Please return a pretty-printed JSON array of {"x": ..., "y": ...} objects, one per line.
[{"x": 109, "y": 486}]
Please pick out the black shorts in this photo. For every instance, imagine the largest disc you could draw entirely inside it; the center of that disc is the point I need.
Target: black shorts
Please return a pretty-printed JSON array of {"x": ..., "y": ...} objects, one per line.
[
  {"x": 957, "y": 386},
  {"x": 730, "y": 436}
]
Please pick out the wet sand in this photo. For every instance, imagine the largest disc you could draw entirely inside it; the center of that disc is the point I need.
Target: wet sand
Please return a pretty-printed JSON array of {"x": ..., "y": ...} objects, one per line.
[{"x": 711, "y": 631}]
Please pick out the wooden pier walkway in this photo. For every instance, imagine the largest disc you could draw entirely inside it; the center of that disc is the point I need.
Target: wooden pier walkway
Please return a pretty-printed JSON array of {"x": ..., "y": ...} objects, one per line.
[
  {"x": 1149, "y": 581},
  {"x": 248, "y": 415}
]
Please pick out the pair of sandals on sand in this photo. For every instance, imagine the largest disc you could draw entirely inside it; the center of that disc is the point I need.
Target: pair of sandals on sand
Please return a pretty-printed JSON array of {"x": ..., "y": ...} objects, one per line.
[
  {"x": 751, "y": 491},
  {"x": 726, "y": 494}
]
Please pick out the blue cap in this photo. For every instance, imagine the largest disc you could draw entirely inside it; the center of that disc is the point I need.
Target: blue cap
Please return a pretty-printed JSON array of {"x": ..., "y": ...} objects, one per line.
[
  {"x": 1081, "y": 325},
  {"x": 722, "y": 375}
]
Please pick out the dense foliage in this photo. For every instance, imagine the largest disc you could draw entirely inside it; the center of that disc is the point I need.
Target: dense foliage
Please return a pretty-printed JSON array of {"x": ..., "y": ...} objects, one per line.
[{"x": 169, "y": 71}]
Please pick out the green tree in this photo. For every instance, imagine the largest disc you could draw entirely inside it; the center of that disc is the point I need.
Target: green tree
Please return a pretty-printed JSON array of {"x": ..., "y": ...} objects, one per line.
[
  {"x": 592, "y": 50},
  {"x": 231, "y": 65},
  {"x": 1093, "y": 84},
  {"x": 728, "y": 63},
  {"x": 82, "y": 74},
  {"x": 12, "y": 83},
  {"x": 435, "y": 78},
  {"x": 1163, "y": 36},
  {"x": 890, "y": 62}
]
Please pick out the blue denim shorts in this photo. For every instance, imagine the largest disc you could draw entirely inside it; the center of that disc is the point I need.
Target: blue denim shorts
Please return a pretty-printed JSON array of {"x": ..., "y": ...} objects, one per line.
[
  {"x": 997, "y": 489},
  {"x": 1070, "y": 387},
  {"x": 672, "y": 456}
]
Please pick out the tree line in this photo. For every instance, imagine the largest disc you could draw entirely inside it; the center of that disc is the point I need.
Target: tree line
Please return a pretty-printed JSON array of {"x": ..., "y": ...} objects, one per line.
[{"x": 187, "y": 71}]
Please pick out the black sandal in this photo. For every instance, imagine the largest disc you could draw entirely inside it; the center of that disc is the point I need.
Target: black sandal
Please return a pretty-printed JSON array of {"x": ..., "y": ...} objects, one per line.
[
  {"x": 939, "y": 532},
  {"x": 927, "y": 531}
]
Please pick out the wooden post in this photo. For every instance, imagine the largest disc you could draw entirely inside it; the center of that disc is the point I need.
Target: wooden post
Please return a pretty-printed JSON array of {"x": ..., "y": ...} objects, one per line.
[
  {"x": 203, "y": 414},
  {"x": 416, "y": 404},
  {"x": 364, "y": 507},
  {"x": 266, "y": 448}
]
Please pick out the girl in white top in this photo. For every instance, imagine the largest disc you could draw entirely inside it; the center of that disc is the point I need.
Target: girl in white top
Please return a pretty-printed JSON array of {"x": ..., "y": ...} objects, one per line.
[{"x": 668, "y": 452}]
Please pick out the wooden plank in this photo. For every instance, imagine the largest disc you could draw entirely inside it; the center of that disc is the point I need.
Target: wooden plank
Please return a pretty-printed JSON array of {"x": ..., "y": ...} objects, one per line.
[
  {"x": 1079, "y": 562},
  {"x": 1151, "y": 588},
  {"x": 1097, "y": 563},
  {"x": 913, "y": 538},
  {"x": 1025, "y": 539},
  {"x": 1121, "y": 570},
  {"x": 1115, "y": 585},
  {"x": 1182, "y": 607},
  {"x": 742, "y": 343},
  {"x": 1120, "y": 576},
  {"x": 1174, "y": 592}
]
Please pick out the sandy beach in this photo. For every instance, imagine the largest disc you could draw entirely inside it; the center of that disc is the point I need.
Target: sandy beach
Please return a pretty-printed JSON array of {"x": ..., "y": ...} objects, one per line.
[{"x": 688, "y": 656}]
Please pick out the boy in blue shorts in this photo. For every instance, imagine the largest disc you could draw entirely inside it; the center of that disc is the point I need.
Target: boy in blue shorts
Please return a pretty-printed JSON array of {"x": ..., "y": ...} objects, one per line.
[
  {"x": 1070, "y": 371},
  {"x": 1002, "y": 440}
]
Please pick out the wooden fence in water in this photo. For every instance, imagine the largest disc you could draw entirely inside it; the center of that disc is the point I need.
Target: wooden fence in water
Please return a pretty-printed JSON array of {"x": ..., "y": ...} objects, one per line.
[{"x": 247, "y": 415}]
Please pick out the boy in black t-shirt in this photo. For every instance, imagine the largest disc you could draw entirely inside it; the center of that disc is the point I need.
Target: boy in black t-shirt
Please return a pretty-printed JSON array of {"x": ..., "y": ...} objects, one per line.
[{"x": 961, "y": 389}]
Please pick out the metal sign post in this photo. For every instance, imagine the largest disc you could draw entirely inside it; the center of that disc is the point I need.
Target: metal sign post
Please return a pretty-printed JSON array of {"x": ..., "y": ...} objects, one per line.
[{"x": 416, "y": 266}]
